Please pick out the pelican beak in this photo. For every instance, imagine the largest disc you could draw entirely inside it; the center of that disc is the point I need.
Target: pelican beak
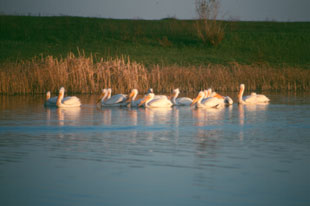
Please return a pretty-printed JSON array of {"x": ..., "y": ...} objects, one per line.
[
  {"x": 101, "y": 96},
  {"x": 144, "y": 100},
  {"x": 195, "y": 100},
  {"x": 219, "y": 96},
  {"x": 130, "y": 97},
  {"x": 171, "y": 95}
]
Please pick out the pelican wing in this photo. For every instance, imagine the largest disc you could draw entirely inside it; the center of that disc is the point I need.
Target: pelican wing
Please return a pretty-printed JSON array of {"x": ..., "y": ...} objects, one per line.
[
  {"x": 71, "y": 100},
  {"x": 256, "y": 98},
  {"x": 160, "y": 97},
  {"x": 211, "y": 102},
  {"x": 161, "y": 102},
  {"x": 184, "y": 101},
  {"x": 51, "y": 101},
  {"x": 136, "y": 103},
  {"x": 262, "y": 98},
  {"x": 115, "y": 99}
]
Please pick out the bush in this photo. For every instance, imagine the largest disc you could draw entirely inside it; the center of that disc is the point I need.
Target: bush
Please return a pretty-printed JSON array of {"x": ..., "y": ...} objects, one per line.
[{"x": 209, "y": 30}]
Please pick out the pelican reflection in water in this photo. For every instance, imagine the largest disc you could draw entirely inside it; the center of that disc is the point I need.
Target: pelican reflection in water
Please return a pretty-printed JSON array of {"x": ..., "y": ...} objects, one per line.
[
  {"x": 68, "y": 116},
  {"x": 255, "y": 111}
]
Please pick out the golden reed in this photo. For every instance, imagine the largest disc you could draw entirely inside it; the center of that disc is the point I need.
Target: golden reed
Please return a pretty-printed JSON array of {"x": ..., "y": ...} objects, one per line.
[{"x": 80, "y": 74}]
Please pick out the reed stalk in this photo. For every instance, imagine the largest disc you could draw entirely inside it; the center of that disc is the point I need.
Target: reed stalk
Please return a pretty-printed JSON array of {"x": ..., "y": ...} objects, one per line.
[{"x": 81, "y": 74}]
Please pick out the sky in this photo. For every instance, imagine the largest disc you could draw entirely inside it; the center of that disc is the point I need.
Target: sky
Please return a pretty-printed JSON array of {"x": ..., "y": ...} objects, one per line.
[{"x": 243, "y": 10}]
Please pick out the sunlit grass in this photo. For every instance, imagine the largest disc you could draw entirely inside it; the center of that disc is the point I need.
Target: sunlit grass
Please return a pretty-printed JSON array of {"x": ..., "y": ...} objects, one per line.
[
  {"x": 81, "y": 74},
  {"x": 150, "y": 42}
]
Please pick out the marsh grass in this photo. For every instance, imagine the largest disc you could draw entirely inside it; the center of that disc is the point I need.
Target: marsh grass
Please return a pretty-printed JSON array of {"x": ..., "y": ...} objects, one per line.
[{"x": 81, "y": 74}]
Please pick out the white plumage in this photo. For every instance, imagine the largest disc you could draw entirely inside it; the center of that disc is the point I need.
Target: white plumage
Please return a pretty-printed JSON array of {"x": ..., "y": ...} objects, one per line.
[
  {"x": 182, "y": 101},
  {"x": 209, "y": 102},
  {"x": 132, "y": 98},
  {"x": 115, "y": 100},
  {"x": 70, "y": 101},
  {"x": 253, "y": 98},
  {"x": 149, "y": 101}
]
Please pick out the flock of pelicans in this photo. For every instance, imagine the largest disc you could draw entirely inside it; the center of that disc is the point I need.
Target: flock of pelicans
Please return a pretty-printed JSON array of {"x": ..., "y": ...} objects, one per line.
[{"x": 205, "y": 99}]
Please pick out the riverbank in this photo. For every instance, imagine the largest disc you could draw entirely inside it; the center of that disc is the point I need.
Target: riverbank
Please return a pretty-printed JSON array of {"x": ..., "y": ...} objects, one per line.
[
  {"x": 155, "y": 42},
  {"x": 87, "y": 54}
]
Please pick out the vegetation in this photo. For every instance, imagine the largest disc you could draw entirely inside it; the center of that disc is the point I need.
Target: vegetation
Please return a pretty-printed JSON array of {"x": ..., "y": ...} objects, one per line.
[
  {"x": 209, "y": 30},
  {"x": 84, "y": 55},
  {"x": 164, "y": 42},
  {"x": 81, "y": 74}
]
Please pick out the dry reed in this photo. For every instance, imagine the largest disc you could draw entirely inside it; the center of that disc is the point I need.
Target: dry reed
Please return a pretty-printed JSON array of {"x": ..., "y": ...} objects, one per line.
[{"x": 80, "y": 74}]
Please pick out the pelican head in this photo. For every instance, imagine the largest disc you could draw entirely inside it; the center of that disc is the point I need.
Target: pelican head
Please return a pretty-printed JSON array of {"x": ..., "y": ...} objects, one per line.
[
  {"x": 206, "y": 93},
  {"x": 175, "y": 94},
  {"x": 60, "y": 96},
  {"x": 102, "y": 95},
  {"x": 200, "y": 96},
  {"x": 177, "y": 91},
  {"x": 150, "y": 91},
  {"x": 62, "y": 90},
  {"x": 240, "y": 101},
  {"x": 132, "y": 95},
  {"x": 48, "y": 95},
  {"x": 242, "y": 86},
  {"x": 209, "y": 92},
  {"x": 147, "y": 98}
]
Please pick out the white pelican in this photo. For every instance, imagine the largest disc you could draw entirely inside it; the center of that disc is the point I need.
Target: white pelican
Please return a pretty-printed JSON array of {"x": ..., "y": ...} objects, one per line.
[
  {"x": 209, "y": 102},
  {"x": 131, "y": 98},
  {"x": 50, "y": 101},
  {"x": 68, "y": 101},
  {"x": 251, "y": 99},
  {"x": 103, "y": 96},
  {"x": 227, "y": 100},
  {"x": 115, "y": 100},
  {"x": 156, "y": 96},
  {"x": 182, "y": 101},
  {"x": 207, "y": 93},
  {"x": 150, "y": 102}
]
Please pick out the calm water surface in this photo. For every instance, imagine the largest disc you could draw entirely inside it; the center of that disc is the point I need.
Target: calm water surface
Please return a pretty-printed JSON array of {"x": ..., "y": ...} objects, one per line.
[{"x": 238, "y": 155}]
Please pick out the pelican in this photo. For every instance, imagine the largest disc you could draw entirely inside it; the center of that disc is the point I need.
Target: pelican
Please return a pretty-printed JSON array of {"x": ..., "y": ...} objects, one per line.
[
  {"x": 209, "y": 102},
  {"x": 251, "y": 99},
  {"x": 103, "y": 96},
  {"x": 227, "y": 100},
  {"x": 150, "y": 102},
  {"x": 50, "y": 101},
  {"x": 182, "y": 101},
  {"x": 207, "y": 93},
  {"x": 156, "y": 96},
  {"x": 115, "y": 100},
  {"x": 68, "y": 101},
  {"x": 131, "y": 98}
]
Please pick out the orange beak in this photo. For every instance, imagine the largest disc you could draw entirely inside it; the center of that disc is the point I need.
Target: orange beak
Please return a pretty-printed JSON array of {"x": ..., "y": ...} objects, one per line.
[
  {"x": 196, "y": 99},
  {"x": 219, "y": 96},
  {"x": 130, "y": 97},
  {"x": 101, "y": 96},
  {"x": 144, "y": 100}
]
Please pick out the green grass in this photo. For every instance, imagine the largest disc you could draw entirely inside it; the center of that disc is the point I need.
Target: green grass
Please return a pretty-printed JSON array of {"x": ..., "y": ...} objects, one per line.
[{"x": 163, "y": 42}]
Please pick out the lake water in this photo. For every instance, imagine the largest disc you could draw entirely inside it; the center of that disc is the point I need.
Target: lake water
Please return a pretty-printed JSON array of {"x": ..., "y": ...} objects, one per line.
[{"x": 237, "y": 155}]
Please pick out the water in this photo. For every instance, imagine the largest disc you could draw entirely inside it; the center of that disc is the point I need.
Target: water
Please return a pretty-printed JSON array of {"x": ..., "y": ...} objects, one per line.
[{"x": 238, "y": 155}]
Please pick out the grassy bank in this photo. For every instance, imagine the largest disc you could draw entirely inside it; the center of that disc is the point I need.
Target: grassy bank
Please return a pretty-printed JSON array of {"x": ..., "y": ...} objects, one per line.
[
  {"x": 81, "y": 74},
  {"x": 163, "y": 42}
]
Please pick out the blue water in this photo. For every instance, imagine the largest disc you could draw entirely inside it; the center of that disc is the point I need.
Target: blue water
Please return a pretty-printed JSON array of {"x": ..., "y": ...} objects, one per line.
[{"x": 237, "y": 155}]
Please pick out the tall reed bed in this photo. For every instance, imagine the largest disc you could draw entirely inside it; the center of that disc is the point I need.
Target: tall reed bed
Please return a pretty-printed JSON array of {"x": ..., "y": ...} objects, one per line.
[{"x": 81, "y": 74}]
